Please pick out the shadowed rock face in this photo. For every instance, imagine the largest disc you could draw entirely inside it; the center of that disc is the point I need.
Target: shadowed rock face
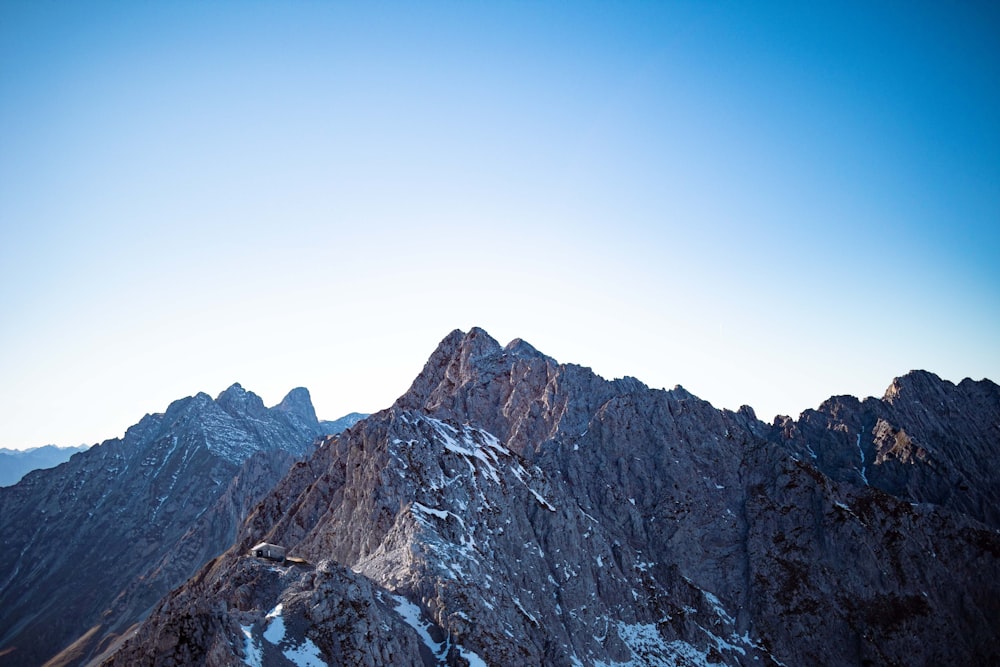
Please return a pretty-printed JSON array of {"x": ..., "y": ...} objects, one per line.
[
  {"x": 512, "y": 510},
  {"x": 95, "y": 542},
  {"x": 926, "y": 441}
]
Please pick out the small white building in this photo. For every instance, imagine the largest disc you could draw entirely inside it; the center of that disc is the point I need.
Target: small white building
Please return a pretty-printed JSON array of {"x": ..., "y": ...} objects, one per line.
[{"x": 268, "y": 551}]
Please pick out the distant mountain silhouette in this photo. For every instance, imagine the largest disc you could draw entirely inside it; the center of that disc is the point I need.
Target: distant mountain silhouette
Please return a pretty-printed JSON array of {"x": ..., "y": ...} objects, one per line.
[{"x": 16, "y": 463}]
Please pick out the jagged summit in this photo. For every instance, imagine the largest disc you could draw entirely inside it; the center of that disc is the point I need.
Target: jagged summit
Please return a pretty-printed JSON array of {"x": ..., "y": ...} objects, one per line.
[
  {"x": 239, "y": 402},
  {"x": 234, "y": 393},
  {"x": 461, "y": 352},
  {"x": 917, "y": 383},
  {"x": 112, "y": 530},
  {"x": 924, "y": 441},
  {"x": 298, "y": 402},
  {"x": 475, "y": 344},
  {"x": 515, "y": 392},
  {"x": 921, "y": 386},
  {"x": 521, "y": 347}
]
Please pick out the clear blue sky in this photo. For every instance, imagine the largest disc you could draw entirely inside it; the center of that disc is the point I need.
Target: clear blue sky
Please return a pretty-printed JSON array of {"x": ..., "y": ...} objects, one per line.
[{"x": 768, "y": 203}]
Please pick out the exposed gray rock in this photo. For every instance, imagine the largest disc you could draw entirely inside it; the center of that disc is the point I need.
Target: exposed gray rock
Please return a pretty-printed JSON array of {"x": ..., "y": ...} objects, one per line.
[
  {"x": 93, "y": 544},
  {"x": 520, "y": 395},
  {"x": 512, "y": 510},
  {"x": 260, "y": 613},
  {"x": 926, "y": 441}
]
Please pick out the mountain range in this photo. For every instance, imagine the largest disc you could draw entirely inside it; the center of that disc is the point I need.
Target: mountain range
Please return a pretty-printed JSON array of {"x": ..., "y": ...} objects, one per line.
[
  {"x": 512, "y": 510},
  {"x": 91, "y": 545},
  {"x": 16, "y": 463}
]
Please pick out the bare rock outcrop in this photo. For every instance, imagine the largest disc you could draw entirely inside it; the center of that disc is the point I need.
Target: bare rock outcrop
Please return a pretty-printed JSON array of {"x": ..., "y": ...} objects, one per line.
[
  {"x": 90, "y": 546},
  {"x": 509, "y": 509},
  {"x": 925, "y": 441}
]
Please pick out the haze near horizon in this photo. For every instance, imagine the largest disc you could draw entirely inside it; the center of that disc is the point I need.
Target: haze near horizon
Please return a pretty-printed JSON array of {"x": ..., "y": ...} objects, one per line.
[{"x": 768, "y": 205}]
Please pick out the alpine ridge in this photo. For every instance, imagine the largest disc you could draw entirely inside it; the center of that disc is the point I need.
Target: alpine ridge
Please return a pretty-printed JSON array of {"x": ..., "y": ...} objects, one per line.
[
  {"x": 509, "y": 509},
  {"x": 91, "y": 545}
]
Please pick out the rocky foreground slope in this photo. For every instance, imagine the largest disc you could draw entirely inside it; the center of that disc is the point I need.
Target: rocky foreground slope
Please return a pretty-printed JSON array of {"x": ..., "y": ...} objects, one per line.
[
  {"x": 511, "y": 510},
  {"x": 88, "y": 547}
]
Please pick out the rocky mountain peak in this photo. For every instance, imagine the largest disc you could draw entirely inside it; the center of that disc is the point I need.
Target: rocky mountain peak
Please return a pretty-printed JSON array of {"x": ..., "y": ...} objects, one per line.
[
  {"x": 239, "y": 402},
  {"x": 233, "y": 392},
  {"x": 461, "y": 354},
  {"x": 915, "y": 385},
  {"x": 521, "y": 348},
  {"x": 235, "y": 389},
  {"x": 475, "y": 351},
  {"x": 838, "y": 405},
  {"x": 457, "y": 357},
  {"x": 110, "y": 531},
  {"x": 299, "y": 402},
  {"x": 924, "y": 442},
  {"x": 478, "y": 337},
  {"x": 187, "y": 404},
  {"x": 471, "y": 378}
]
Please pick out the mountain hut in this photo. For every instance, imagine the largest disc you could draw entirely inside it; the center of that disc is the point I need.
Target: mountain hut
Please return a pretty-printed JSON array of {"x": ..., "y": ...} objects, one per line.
[{"x": 268, "y": 551}]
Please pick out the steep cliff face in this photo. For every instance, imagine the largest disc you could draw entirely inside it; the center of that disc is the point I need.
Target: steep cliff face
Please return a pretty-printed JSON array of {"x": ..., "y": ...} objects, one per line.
[
  {"x": 926, "y": 441},
  {"x": 512, "y": 510},
  {"x": 92, "y": 544},
  {"x": 520, "y": 395}
]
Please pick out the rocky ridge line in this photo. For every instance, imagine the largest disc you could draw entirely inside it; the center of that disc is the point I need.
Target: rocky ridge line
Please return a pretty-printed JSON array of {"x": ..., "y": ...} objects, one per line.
[{"x": 511, "y": 510}]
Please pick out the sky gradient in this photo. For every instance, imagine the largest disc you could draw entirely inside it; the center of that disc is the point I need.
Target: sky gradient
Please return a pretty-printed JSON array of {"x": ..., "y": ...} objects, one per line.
[{"x": 768, "y": 204}]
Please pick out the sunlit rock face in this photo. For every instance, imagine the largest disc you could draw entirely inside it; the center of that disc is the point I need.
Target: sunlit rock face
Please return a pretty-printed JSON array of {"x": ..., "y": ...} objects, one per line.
[
  {"x": 90, "y": 546},
  {"x": 509, "y": 509}
]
